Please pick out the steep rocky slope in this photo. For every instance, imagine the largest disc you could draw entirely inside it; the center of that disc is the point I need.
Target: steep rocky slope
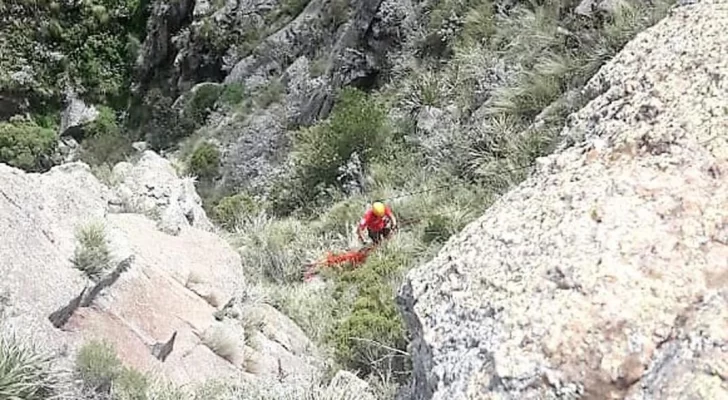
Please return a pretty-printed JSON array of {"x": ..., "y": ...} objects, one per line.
[
  {"x": 295, "y": 53},
  {"x": 603, "y": 275},
  {"x": 167, "y": 293}
]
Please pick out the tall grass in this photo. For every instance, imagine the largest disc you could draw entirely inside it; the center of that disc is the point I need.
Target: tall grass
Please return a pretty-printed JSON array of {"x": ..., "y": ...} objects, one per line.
[
  {"x": 26, "y": 372},
  {"x": 511, "y": 79}
]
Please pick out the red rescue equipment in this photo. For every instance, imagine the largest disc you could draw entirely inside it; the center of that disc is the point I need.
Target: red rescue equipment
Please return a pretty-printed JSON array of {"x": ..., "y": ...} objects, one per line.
[{"x": 353, "y": 257}]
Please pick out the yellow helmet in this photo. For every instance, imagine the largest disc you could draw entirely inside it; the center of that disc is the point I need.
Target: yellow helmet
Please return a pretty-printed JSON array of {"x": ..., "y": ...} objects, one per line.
[{"x": 378, "y": 209}]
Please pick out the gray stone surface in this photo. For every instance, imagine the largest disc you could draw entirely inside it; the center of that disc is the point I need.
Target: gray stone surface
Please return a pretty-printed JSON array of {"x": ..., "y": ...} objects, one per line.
[
  {"x": 152, "y": 186},
  {"x": 603, "y": 276},
  {"x": 157, "y": 286}
]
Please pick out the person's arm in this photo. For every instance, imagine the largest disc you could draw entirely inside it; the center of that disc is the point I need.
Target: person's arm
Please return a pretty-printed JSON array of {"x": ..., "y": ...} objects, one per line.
[
  {"x": 392, "y": 218},
  {"x": 360, "y": 229}
]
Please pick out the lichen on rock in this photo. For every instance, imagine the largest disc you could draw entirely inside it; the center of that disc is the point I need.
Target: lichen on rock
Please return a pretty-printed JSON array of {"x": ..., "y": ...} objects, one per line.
[{"x": 594, "y": 277}]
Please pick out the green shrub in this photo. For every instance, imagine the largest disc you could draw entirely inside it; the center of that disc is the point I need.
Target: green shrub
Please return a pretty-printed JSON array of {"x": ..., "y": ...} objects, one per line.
[
  {"x": 25, "y": 372},
  {"x": 163, "y": 124},
  {"x": 104, "y": 141},
  {"x": 357, "y": 125},
  {"x": 372, "y": 336},
  {"x": 97, "y": 365},
  {"x": 104, "y": 124},
  {"x": 231, "y": 211},
  {"x": 438, "y": 229},
  {"x": 201, "y": 102},
  {"x": 204, "y": 162},
  {"x": 271, "y": 93},
  {"x": 131, "y": 384},
  {"x": 93, "y": 38},
  {"x": 293, "y": 7},
  {"x": 101, "y": 371},
  {"x": 233, "y": 94},
  {"x": 27, "y": 146},
  {"x": 278, "y": 250},
  {"x": 105, "y": 149},
  {"x": 338, "y": 12},
  {"x": 92, "y": 255},
  {"x": 342, "y": 217}
]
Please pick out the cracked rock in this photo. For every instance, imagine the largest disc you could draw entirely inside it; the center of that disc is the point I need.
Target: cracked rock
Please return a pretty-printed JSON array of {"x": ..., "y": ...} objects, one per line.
[{"x": 606, "y": 269}]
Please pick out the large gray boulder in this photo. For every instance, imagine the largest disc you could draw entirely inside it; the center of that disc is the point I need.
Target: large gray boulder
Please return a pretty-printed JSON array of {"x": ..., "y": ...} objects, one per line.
[
  {"x": 157, "y": 297},
  {"x": 603, "y": 276},
  {"x": 152, "y": 186}
]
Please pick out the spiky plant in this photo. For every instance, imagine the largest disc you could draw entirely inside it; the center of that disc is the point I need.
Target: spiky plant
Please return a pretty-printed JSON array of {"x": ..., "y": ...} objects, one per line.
[{"x": 26, "y": 373}]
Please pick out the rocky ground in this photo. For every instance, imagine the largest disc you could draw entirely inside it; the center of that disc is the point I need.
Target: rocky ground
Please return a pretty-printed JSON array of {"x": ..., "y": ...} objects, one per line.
[
  {"x": 602, "y": 276},
  {"x": 593, "y": 279},
  {"x": 169, "y": 293}
]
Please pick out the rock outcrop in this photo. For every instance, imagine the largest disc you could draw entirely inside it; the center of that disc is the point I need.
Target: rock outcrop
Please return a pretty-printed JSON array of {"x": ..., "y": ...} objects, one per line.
[
  {"x": 603, "y": 276},
  {"x": 158, "y": 295},
  {"x": 271, "y": 46},
  {"x": 151, "y": 186}
]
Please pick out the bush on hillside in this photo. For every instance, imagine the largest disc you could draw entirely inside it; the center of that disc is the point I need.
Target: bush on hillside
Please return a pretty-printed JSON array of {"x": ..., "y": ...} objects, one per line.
[
  {"x": 201, "y": 102},
  {"x": 164, "y": 126},
  {"x": 372, "y": 337},
  {"x": 101, "y": 371},
  {"x": 25, "y": 145},
  {"x": 98, "y": 366},
  {"x": 205, "y": 161},
  {"x": 92, "y": 255},
  {"x": 25, "y": 371},
  {"x": 232, "y": 211},
  {"x": 233, "y": 94},
  {"x": 277, "y": 250},
  {"x": 357, "y": 125},
  {"x": 104, "y": 140},
  {"x": 95, "y": 38}
]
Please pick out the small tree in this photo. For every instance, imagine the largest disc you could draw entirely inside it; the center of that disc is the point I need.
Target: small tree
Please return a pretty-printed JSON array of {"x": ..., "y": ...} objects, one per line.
[{"x": 357, "y": 125}]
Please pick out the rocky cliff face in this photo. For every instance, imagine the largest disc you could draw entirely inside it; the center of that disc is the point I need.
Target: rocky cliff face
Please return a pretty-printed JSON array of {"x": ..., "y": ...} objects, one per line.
[
  {"x": 305, "y": 49},
  {"x": 603, "y": 275},
  {"x": 137, "y": 264}
]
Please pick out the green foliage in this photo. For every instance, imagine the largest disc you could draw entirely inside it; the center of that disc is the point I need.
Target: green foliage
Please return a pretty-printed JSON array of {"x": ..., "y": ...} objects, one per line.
[
  {"x": 479, "y": 25},
  {"x": 101, "y": 371},
  {"x": 276, "y": 250},
  {"x": 164, "y": 125},
  {"x": 232, "y": 211},
  {"x": 271, "y": 93},
  {"x": 233, "y": 94},
  {"x": 338, "y": 12},
  {"x": 98, "y": 366},
  {"x": 438, "y": 229},
  {"x": 131, "y": 384},
  {"x": 25, "y": 145},
  {"x": 87, "y": 45},
  {"x": 104, "y": 140},
  {"x": 293, "y": 7},
  {"x": 92, "y": 255},
  {"x": 205, "y": 161},
  {"x": 201, "y": 102},
  {"x": 373, "y": 332},
  {"x": 357, "y": 125},
  {"x": 25, "y": 372}
]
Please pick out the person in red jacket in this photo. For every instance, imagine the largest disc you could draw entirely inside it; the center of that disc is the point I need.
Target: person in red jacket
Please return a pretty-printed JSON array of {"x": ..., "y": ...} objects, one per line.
[{"x": 379, "y": 221}]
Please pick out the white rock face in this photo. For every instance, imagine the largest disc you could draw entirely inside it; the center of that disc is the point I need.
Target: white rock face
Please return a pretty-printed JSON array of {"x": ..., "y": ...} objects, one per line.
[
  {"x": 152, "y": 186},
  {"x": 161, "y": 292},
  {"x": 604, "y": 275},
  {"x": 76, "y": 113}
]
